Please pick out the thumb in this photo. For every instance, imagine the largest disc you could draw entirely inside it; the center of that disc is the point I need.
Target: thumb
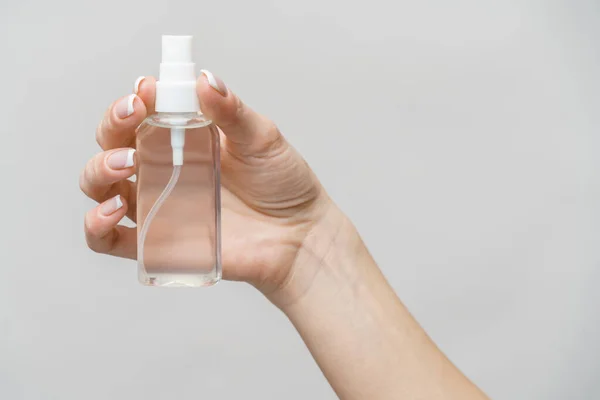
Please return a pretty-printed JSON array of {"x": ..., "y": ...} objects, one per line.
[{"x": 247, "y": 132}]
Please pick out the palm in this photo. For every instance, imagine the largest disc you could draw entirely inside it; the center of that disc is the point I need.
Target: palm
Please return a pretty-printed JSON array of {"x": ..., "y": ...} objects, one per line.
[{"x": 266, "y": 203}]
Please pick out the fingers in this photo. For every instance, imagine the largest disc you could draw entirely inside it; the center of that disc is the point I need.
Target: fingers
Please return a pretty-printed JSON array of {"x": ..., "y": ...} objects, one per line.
[
  {"x": 247, "y": 132},
  {"x": 117, "y": 128},
  {"x": 105, "y": 176},
  {"x": 102, "y": 233},
  {"x": 145, "y": 88}
]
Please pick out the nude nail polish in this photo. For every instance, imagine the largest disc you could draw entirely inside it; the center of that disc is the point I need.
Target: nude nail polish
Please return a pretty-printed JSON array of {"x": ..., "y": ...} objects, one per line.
[
  {"x": 125, "y": 107},
  {"x": 121, "y": 159},
  {"x": 215, "y": 82},
  {"x": 111, "y": 206},
  {"x": 136, "y": 85}
]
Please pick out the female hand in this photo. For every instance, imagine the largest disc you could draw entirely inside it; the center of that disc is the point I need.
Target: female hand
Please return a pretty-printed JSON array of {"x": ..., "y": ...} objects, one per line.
[
  {"x": 284, "y": 235},
  {"x": 271, "y": 200}
]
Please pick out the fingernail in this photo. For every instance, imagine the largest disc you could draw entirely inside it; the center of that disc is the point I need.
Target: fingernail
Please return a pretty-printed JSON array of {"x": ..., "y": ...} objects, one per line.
[
  {"x": 136, "y": 85},
  {"x": 121, "y": 159},
  {"x": 215, "y": 82},
  {"x": 124, "y": 107},
  {"x": 109, "y": 207}
]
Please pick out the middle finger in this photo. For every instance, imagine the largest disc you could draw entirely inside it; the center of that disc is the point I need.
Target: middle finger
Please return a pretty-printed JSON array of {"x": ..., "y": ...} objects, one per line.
[{"x": 105, "y": 176}]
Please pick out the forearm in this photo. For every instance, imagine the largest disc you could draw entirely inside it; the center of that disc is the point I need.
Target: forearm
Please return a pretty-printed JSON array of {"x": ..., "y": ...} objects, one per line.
[{"x": 365, "y": 341}]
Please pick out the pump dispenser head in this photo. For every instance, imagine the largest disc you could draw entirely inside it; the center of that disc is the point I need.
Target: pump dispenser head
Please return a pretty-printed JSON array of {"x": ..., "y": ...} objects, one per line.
[{"x": 176, "y": 85}]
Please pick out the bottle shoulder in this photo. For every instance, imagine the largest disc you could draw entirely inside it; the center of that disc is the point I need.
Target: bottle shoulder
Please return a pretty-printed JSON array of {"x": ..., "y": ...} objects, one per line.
[{"x": 182, "y": 120}]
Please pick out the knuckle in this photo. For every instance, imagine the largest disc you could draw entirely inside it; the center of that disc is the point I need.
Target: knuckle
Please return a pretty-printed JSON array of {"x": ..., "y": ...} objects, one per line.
[
  {"x": 86, "y": 179},
  {"x": 273, "y": 142},
  {"x": 94, "y": 242},
  {"x": 105, "y": 128},
  {"x": 94, "y": 247},
  {"x": 98, "y": 167},
  {"x": 82, "y": 182},
  {"x": 239, "y": 110},
  {"x": 271, "y": 131},
  {"x": 93, "y": 176},
  {"x": 89, "y": 234},
  {"x": 99, "y": 135},
  {"x": 88, "y": 226}
]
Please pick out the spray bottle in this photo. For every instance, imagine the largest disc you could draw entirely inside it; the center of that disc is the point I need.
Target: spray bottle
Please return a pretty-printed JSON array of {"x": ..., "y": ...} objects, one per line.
[{"x": 178, "y": 180}]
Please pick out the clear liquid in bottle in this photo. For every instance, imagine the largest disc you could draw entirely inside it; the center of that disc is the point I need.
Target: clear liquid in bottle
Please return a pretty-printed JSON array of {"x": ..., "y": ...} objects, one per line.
[{"x": 181, "y": 246}]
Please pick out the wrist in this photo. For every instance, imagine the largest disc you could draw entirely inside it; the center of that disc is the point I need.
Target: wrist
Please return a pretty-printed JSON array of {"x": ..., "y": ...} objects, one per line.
[{"x": 331, "y": 258}]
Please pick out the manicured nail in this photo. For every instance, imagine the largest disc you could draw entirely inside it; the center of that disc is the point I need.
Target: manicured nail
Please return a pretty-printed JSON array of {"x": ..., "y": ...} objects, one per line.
[
  {"x": 215, "y": 82},
  {"x": 121, "y": 159},
  {"x": 124, "y": 107},
  {"x": 136, "y": 85},
  {"x": 110, "y": 206}
]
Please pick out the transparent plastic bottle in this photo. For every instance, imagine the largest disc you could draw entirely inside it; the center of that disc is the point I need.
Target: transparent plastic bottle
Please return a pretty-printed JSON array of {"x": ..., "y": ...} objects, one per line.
[{"x": 178, "y": 181}]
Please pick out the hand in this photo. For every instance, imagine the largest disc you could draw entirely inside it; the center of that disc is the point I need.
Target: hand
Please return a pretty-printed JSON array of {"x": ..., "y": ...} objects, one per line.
[
  {"x": 283, "y": 234},
  {"x": 271, "y": 200}
]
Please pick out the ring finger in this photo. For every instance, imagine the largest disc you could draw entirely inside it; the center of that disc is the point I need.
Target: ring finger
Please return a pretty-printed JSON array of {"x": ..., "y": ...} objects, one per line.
[{"x": 105, "y": 176}]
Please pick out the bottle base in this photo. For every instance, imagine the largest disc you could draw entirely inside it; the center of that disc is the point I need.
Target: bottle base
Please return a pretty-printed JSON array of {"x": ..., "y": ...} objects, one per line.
[{"x": 177, "y": 279}]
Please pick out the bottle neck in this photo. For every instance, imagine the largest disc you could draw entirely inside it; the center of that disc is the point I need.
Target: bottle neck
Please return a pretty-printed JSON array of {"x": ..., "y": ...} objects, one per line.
[
  {"x": 178, "y": 119},
  {"x": 176, "y": 97}
]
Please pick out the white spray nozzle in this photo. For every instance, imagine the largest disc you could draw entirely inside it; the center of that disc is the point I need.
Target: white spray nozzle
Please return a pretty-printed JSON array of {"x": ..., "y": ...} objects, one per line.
[
  {"x": 176, "y": 86},
  {"x": 176, "y": 49},
  {"x": 177, "y": 143}
]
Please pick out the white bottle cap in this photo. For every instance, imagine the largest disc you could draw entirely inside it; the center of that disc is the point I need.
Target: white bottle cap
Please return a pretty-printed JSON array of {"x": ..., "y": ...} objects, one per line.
[{"x": 176, "y": 85}]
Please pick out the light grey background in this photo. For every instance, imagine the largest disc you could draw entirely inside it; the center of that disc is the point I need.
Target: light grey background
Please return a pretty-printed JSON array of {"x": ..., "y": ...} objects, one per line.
[{"x": 460, "y": 136}]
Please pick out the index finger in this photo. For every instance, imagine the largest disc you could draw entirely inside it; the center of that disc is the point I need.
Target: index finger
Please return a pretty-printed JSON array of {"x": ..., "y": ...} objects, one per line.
[
  {"x": 145, "y": 88},
  {"x": 120, "y": 121},
  {"x": 117, "y": 128}
]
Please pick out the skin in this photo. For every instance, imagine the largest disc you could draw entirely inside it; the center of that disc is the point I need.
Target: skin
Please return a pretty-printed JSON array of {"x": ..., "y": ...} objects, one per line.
[{"x": 285, "y": 236}]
